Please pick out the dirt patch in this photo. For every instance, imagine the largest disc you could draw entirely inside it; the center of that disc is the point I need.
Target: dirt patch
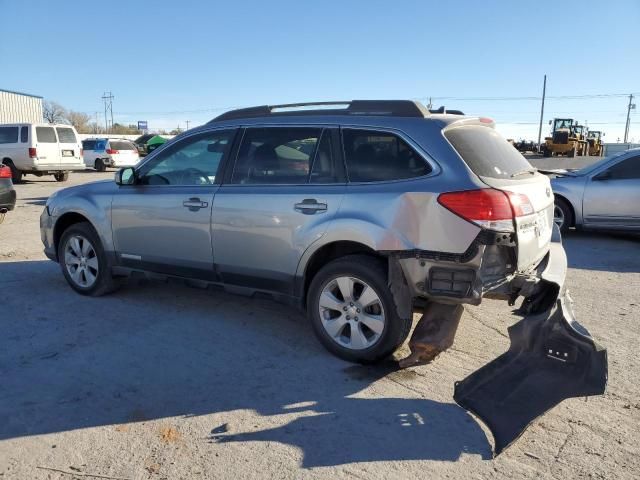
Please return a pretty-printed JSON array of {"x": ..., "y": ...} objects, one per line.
[{"x": 170, "y": 435}]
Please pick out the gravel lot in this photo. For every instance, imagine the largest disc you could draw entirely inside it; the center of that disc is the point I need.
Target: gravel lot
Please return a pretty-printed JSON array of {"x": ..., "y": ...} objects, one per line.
[{"x": 166, "y": 381}]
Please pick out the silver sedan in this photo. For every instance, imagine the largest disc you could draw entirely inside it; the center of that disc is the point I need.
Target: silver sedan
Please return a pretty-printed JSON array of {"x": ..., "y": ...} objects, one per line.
[{"x": 605, "y": 195}]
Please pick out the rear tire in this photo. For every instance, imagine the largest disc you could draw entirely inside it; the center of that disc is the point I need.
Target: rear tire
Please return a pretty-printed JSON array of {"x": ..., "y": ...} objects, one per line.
[
  {"x": 364, "y": 344},
  {"x": 16, "y": 175},
  {"x": 61, "y": 176},
  {"x": 100, "y": 166},
  {"x": 74, "y": 256},
  {"x": 562, "y": 215}
]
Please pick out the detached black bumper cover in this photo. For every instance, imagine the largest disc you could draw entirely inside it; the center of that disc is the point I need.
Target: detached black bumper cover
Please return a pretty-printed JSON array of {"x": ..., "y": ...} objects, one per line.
[{"x": 552, "y": 357}]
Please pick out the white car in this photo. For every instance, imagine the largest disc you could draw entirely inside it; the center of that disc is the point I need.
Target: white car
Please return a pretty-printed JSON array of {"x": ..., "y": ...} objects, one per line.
[
  {"x": 100, "y": 153},
  {"x": 40, "y": 149}
]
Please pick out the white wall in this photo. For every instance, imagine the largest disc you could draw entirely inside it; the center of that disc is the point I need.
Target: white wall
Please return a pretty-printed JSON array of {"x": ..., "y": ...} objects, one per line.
[
  {"x": 18, "y": 108},
  {"x": 84, "y": 136},
  {"x": 611, "y": 148}
]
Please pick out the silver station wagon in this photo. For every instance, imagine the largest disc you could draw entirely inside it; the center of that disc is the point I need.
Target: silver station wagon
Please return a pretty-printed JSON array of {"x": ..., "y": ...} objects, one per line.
[{"x": 361, "y": 213}]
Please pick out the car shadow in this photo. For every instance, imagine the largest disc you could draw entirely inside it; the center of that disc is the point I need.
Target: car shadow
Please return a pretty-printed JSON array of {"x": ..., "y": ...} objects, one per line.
[
  {"x": 610, "y": 252},
  {"x": 35, "y": 200},
  {"x": 157, "y": 350}
]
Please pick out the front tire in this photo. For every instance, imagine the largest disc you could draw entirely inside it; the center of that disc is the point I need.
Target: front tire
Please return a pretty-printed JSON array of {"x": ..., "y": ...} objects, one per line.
[
  {"x": 562, "y": 215},
  {"x": 352, "y": 310},
  {"x": 84, "y": 263}
]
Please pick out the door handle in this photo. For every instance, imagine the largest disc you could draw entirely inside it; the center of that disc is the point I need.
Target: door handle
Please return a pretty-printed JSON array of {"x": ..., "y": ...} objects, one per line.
[
  {"x": 310, "y": 206},
  {"x": 194, "y": 204}
]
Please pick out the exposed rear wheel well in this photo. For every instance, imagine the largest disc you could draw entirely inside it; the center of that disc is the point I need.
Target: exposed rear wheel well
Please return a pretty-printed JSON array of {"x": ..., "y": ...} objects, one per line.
[
  {"x": 330, "y": 252},
  {"x": 64, "y": 222}
]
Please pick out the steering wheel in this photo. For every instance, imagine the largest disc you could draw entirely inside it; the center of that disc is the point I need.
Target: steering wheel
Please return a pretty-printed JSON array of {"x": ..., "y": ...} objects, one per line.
[{"x": 193, "y": 176}]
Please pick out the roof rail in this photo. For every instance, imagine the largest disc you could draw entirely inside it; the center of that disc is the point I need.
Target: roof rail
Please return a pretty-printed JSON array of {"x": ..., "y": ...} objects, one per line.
[
  {"x": 447, "y": 111},
  {"x": 390, "y": 108}
]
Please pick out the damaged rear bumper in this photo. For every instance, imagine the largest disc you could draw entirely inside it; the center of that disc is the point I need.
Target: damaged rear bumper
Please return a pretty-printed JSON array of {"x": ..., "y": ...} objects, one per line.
[{"x": 552, "y": 357}]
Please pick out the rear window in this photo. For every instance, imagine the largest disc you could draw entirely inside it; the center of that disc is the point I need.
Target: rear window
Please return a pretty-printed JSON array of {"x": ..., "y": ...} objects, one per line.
[
  {"x": 46, "y": 135},
  {"x": 122, "y": 145},
  {"x": 66, "y": 135},
  {"x": 88, "y": 144},
  {"x": 8, "y": 134},
  {"x": 485, "y": 151}
]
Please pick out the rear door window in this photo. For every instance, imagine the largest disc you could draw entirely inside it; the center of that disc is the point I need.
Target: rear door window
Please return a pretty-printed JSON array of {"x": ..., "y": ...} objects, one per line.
[
  {"x": 276, "y": 155},
  {"x": 486, "y": 152},
  {"x": 8, "y": 134},
  {"x": 122, "y": 145},
  {"x": 24, "y": 134},
  {"x": 66, "y": 135},
  {"x": 374, "y": 156},
  {"x": 46, "y": 135},
  {"x": 88, "y": 144}
]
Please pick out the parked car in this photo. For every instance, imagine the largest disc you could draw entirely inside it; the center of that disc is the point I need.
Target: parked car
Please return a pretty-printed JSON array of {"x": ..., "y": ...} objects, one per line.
[
  {"x": 148, "y": 142},
  {"x": 7, "y": 192},
  {"x": 359, "y": 214},
  {"x": 40, "y": 149},
  {"x": 602, "y": 196},
  {"x": 100, "y": 153}
]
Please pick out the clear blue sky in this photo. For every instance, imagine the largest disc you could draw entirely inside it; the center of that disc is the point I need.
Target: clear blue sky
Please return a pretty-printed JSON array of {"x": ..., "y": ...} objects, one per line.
[{"x": 167, "y": 61}]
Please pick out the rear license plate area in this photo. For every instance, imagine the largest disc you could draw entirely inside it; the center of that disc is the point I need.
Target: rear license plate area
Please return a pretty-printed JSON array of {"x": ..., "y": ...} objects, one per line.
[{"x": 67, "y": 153}]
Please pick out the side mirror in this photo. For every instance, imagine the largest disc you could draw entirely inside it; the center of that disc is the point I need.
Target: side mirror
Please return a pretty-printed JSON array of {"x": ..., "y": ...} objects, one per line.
[
  {"x": 606, "y": 175},
  {"x": 126, "y": 176}
]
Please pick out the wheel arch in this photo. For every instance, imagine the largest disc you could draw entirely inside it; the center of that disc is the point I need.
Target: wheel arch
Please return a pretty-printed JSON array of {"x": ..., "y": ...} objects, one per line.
[
  {"x": 564, "y": 199},
  {"x": 325, "y": 254},
  {"x": 65, "y": 221}
]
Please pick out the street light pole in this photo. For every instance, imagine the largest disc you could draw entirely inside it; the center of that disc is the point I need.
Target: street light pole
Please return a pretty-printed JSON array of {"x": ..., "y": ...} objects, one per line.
[
  {"x": 544, "y": 92},
  {"x": 627, "y": 124}
]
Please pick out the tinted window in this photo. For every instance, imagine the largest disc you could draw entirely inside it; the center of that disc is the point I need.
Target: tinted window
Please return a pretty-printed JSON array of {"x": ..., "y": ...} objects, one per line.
[
  {"x": 324, "y": 168},
  {"x": 278, "y": 155},
  {"x": 46, "y": 135},
  {"x": 122, "y": 145},
  {"x": 8, "y": 134},
  {"x": 24, "y": 134},
  {"x": 88, "y": 144},
  {"x": 486, "y": 153},
  {"x": 66, "y": 135},
  {"x": 191, "y": 161},
  {"x": 627, "y": 169},
  {"x": 379, "y": 156}
]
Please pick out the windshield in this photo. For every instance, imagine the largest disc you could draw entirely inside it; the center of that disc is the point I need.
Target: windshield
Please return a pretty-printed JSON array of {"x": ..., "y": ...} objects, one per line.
[
  {"x": 562, "y": 123},
  {"x": 578, "y": 129}
]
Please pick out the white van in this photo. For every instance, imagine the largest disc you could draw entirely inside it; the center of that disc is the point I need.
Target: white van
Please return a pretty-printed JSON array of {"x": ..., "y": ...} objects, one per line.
[{"x": 40, "y": 149}]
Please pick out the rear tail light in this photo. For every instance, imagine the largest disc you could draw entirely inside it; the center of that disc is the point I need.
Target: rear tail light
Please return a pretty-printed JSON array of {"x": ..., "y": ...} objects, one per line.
[
  {"x": 110, "y": 151},
  {"x": 5, "y": 172},
  {"x": 487, "y": 208},
  {"x": 33, "y": 153}
]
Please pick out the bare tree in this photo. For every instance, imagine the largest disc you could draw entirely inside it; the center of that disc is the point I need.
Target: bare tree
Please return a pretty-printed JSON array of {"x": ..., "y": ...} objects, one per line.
[
  {"x": 80, "y": 121},
  {"x": 53, "y": 112}
]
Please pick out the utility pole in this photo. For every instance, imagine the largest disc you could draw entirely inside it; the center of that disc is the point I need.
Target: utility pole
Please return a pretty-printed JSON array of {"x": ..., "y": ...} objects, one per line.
[
  {"x": 95, "y": 128},
  {"x": 107, "y": 98},
  {"x": 188, "y": 121},
  {"x": 632, "y": 106},
  {"x": 544, "y": 92}
]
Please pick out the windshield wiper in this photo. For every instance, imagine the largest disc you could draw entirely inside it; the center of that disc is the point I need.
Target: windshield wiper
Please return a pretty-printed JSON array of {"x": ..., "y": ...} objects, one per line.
[{"x": 532, "y": 171}]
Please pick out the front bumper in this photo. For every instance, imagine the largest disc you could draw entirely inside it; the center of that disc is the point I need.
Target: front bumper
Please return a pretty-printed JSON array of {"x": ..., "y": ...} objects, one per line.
[
  {"x": 551, "y": 358},
  {"x": 46, "y": 235}
]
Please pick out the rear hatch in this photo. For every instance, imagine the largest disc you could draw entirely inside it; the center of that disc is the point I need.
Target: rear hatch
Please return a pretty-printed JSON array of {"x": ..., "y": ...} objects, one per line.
[
  {"x": 500, "y": 166},
  {"x": 123, "y": 153},
  {"x": 69, "y": 146}
]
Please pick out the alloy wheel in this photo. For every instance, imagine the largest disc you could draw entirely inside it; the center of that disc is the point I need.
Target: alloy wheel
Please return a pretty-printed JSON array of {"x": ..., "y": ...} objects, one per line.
[
  {"x": 351, "y": 313},
  {"x": 81, "y": 261}
]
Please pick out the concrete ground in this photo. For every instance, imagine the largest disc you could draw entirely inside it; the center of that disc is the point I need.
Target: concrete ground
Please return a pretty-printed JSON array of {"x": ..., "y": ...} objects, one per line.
[{"x": 162, "y": 381}]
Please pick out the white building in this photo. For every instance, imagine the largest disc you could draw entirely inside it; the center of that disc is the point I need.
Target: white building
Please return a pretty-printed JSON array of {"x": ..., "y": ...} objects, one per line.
[{"x": 18, "y": 107}]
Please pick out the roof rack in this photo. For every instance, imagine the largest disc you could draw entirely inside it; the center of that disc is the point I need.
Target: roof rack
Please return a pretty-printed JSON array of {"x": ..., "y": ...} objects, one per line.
[{"x": 388, "y": 108}]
